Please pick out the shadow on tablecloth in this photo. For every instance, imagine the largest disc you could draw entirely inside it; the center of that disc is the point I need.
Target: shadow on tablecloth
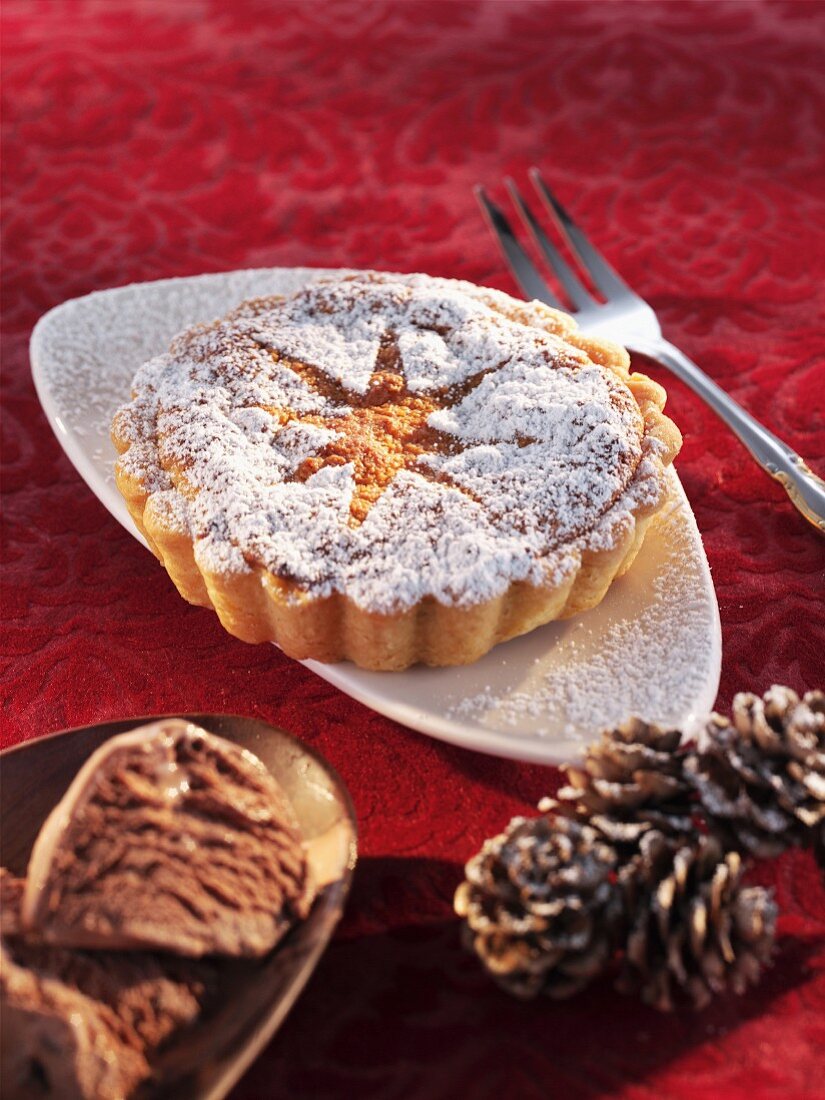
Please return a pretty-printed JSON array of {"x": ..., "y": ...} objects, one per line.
[{"x": 396, "y": 1013}]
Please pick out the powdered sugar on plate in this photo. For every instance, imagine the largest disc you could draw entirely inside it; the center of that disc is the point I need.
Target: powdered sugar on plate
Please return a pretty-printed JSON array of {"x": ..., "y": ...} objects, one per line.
[{"x": 575, "y": 690}]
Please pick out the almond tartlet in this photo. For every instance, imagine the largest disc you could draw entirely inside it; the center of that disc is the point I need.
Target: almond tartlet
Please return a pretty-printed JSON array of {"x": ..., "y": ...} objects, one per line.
[{"x": 392, "y": 469}]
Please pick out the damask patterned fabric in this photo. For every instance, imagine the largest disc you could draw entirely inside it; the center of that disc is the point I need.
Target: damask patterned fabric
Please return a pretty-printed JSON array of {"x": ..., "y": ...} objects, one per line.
[{"x": 146, "y": 139}]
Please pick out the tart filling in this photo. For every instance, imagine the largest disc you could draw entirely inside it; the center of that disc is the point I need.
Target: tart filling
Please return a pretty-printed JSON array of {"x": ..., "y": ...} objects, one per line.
[{"x": 388, "y": 440}]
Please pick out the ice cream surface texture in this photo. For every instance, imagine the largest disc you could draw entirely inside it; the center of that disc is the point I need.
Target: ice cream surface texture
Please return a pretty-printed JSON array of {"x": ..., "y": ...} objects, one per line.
[
  {"x": 169, "y": 838},
  {"x": 82, "y": 1024}
]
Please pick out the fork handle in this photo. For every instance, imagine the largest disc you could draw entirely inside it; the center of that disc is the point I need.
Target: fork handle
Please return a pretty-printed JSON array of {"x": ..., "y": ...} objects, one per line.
[{"x": 805, "y": 489}]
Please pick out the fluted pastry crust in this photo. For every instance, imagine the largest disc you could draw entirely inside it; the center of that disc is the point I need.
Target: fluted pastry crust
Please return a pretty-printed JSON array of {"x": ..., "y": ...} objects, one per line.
[{"x": 393, "y": 469}]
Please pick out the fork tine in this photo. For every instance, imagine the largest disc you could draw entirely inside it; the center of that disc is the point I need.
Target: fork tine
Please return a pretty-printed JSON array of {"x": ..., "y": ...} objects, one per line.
[
  {"x": 604, "y": 277},
  {"x": 520, "y": 263},
  {"x": 573, "y": 287}
]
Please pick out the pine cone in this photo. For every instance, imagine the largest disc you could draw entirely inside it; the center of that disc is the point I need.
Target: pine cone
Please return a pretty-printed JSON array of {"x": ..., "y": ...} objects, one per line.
[
  {"x": 632, "y": 782},
  {"x": 540, "y": 904},
  {"x": 761, "y": 779},
  {"x": 694, "y": 930}
]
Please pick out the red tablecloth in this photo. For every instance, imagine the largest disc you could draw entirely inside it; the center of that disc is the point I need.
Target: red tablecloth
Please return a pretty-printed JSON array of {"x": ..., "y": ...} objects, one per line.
[{"x": 154, "y": 138}]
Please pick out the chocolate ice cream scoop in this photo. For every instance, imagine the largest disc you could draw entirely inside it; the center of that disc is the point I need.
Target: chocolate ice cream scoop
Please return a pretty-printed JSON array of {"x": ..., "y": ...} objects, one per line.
[
  {"x": 61, "y": 1044},
  {"x": 86, "y": 1024},
  {"x": 79, "y": 1024},
  {"x": 169, "y": 838}
]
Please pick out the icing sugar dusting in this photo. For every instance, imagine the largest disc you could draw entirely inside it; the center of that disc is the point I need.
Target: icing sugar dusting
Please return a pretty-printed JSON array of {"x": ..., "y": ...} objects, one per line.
[
  {"x": 572, "y": 690},
  {"x": 535, "y": 452}
]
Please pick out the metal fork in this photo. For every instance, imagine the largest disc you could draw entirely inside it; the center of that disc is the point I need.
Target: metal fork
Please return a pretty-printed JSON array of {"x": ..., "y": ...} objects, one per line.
[{"x": 629, "y": 320}]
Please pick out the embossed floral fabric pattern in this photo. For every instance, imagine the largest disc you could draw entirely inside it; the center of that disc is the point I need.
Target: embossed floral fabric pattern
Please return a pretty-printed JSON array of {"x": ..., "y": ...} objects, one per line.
[{"x": 145, "y": 139}]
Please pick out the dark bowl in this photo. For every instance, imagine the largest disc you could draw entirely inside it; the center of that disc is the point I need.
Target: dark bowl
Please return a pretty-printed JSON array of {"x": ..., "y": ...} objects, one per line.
[{"x": 254, "y": 996}]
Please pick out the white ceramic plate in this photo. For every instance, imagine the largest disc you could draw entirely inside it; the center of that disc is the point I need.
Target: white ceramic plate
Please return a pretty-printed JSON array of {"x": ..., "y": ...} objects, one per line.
[{"x": 652, "y": 647}]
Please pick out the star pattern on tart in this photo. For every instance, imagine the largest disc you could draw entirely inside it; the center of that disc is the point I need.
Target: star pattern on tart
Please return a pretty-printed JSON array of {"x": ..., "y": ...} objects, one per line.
[{"x": 379, "y": 433}]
